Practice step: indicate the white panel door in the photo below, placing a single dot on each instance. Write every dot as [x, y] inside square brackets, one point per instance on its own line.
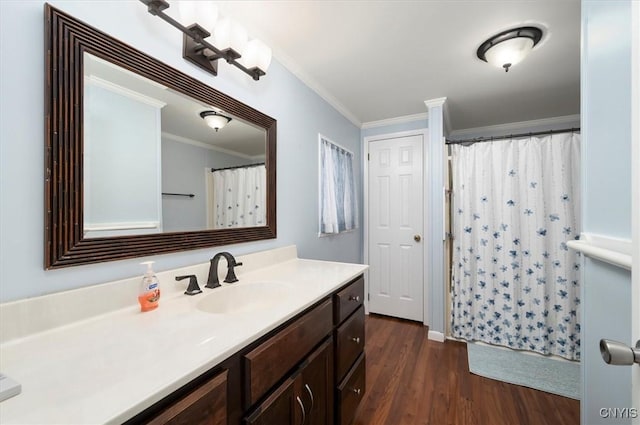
[395, 208]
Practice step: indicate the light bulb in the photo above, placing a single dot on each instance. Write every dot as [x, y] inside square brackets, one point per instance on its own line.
[264, 57]
[509, 52]
[187, 12]
[250, 56]
[204, 13]
[208, 15]
[230, 34]
[256, 55]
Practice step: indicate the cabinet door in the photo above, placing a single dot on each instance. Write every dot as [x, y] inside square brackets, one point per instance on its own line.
[349, 342]
[281, 407]
[315, 386]
[266, 364]
[351, 391]
[207, 405]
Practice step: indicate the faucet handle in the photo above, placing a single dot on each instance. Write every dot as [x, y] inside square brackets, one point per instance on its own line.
[231, 273]
[193, 288]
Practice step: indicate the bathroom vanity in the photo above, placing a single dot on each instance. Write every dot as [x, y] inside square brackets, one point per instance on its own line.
[287, 376]
[291, 354]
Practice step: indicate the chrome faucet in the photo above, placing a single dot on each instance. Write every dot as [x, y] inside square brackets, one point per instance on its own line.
[212, 281]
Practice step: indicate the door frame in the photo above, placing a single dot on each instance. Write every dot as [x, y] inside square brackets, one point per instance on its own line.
[426, 235]
[635, 197]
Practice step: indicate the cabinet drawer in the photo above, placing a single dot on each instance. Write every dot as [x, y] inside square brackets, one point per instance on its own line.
[271, 360]
[206, 405]
[349, 342]
[351, 391]
[348, 300]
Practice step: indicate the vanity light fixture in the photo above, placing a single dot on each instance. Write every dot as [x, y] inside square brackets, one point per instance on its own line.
[214, 119]
[509, 47]
[251, 57]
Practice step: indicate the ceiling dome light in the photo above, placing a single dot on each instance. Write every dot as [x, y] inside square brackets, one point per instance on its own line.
[214, 119]
[509, 47]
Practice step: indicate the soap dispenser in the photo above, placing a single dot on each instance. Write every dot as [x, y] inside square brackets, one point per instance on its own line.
[150, 289]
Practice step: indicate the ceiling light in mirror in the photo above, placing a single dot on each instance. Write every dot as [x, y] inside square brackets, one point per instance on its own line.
[214, 119]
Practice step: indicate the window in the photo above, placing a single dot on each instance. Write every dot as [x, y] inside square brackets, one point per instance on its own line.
[338, 203]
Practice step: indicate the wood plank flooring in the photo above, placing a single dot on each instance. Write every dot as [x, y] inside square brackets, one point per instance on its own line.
[411, 380]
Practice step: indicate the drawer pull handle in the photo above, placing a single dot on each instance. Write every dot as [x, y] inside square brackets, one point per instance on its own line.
[356, 340]
[354, 298]
[304, 414]
[306, 386]
[356, 391]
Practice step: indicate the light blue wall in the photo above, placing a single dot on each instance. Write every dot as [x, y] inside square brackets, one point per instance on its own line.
[116, 188]
[606, 153]
[300, 112]
[183, 171]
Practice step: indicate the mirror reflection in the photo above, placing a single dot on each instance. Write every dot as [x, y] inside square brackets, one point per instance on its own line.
[158, 161]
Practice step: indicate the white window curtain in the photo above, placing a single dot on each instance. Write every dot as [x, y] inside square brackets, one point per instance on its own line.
[236, 197]
[338, 201]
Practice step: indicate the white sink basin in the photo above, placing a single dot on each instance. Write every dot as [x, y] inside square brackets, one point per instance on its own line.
[244, 298]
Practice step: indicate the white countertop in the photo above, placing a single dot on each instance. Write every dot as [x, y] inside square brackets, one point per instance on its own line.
[108, 368]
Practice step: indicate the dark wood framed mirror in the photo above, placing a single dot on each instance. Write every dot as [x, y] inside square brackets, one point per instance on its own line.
[68, 41]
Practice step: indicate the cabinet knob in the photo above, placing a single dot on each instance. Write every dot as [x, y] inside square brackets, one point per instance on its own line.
[355, 298]
[356, 340]
[356, 391]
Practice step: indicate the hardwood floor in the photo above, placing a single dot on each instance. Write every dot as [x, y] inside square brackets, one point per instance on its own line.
[411, 380]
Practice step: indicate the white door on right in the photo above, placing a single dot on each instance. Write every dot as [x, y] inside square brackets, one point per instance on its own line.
[395, 227]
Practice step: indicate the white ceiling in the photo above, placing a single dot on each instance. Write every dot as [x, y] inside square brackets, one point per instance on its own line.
[376, 60]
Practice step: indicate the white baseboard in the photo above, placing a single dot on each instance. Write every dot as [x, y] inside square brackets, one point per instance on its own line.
[436, 336]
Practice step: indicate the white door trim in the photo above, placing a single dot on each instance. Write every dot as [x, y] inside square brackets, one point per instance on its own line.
[635, 198]
[424, 132]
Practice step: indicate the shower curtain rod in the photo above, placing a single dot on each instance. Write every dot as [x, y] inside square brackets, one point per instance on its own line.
[511, 136]
[238, 166]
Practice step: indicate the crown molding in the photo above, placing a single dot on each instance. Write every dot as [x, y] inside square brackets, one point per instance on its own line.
[397, 120]
[291, 66]
[123, 91]
[558, 122]
[188, 141]
[438, 101]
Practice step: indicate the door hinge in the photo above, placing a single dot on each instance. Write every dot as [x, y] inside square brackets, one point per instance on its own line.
[368, 296]
[368, 157]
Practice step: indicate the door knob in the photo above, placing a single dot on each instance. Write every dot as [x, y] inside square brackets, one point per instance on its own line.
[417, 238]
[617, 353]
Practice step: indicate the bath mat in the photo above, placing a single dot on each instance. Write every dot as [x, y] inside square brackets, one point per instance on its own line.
[533, 371]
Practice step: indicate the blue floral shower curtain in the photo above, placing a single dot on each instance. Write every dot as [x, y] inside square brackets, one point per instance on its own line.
[515, 205]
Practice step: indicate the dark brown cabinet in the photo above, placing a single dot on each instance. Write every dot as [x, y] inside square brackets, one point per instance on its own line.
[308, 371]
[350, 361]
[349, 342]
[350, 392]
[278, 408]
[206, 405]
[316, 386]
[270, 361]
[305, 398]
